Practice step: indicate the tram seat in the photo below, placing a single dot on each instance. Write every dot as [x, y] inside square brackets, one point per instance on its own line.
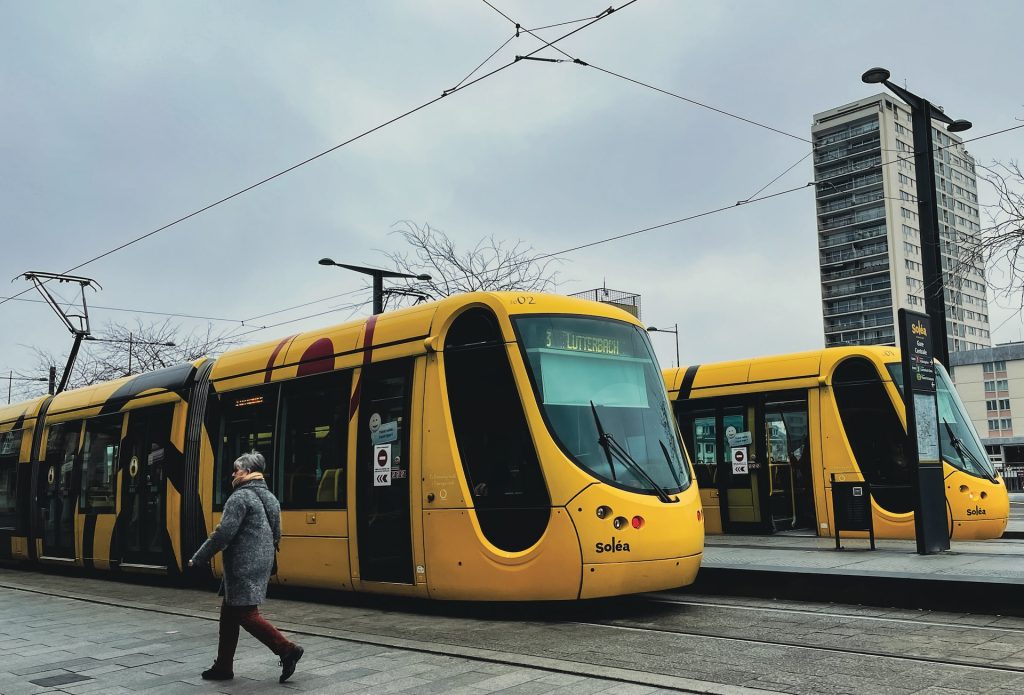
[328, 490]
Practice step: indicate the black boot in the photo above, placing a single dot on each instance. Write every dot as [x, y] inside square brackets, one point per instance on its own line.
[288, 662]
[216, 673]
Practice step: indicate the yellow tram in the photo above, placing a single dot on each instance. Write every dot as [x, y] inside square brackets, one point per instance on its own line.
[766, 435]
[491, 446]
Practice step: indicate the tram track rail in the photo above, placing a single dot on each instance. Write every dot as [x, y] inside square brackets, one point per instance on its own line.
[834, 650]
[659, 640]
[844, 616]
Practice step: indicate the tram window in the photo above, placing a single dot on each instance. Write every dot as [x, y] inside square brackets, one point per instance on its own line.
[874, 432]
[497, 452]
[247, 424]
[314, 417]
[10, 448]
[702, 433]
[99, 463]
[61, 449]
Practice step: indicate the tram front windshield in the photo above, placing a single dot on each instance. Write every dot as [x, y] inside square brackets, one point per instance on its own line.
[600, 374]
[959, 442]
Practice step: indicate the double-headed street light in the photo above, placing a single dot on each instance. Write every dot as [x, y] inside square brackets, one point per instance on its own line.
[674, 329]
[378, 275]
[923, 113]
[131, 345]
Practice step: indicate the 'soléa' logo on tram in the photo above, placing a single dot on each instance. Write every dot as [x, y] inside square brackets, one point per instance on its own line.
[613, 547]
[977, 511]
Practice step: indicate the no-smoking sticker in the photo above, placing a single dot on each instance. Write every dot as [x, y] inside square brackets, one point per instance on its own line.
[739, 460]
[382, 465]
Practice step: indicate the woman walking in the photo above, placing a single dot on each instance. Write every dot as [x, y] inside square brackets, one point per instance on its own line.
[248, 533]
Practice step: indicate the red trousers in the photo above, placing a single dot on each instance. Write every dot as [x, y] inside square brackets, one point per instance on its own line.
[233, 617]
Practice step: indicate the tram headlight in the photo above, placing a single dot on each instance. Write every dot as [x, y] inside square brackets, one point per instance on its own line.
[604, 511]
[620, 522]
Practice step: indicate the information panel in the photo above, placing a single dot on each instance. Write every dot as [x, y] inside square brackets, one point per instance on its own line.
[922, 450]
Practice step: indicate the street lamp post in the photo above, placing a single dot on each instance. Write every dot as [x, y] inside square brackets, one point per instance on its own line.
[378, 275]
[923, 113]
[11, 379]
[674, 330]
[131, 345]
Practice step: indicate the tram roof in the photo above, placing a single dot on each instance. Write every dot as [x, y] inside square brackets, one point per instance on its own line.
[794, 370]
[417, 328]
[10, 414]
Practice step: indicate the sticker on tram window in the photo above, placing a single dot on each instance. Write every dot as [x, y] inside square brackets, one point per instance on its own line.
[385, 432]
[382, 465]
[739, 460]
[374, 422]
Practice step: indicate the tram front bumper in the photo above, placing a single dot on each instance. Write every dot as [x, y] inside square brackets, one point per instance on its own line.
[617, 578]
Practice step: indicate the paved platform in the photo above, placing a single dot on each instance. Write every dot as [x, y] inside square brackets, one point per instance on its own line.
[988, 573]
[79, 635]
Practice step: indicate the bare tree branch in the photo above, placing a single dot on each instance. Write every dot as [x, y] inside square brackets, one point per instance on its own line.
[141, 344]
[490, 265]
[999, 246]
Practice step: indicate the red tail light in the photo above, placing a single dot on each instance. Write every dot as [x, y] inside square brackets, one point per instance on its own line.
[700, 515]
[638, 522]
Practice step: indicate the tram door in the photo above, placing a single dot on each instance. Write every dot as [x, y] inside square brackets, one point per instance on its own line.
[142, 522]
[787, 454]
[57, 484]
[383, 517]
[727, 464]
[741, 470]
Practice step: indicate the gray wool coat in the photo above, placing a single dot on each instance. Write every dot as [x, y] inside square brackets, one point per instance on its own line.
[248, 533]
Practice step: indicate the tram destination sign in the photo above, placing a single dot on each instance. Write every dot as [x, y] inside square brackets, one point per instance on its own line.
[579, 342]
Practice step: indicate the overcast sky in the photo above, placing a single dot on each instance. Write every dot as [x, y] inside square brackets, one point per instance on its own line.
[120, 117]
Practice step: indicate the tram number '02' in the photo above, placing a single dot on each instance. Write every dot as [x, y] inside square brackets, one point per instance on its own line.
[613, 547]
[523, 299]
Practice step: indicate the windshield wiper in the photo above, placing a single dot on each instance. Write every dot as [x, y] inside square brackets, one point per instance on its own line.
[964, 452]
[668, 460]
[601, 440]
[613, 448]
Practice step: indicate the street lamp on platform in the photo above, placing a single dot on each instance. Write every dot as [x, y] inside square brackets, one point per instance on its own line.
[674, 330]
[922, 114]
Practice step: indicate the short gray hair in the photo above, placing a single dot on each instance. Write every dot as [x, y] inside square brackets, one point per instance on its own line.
[252, 462]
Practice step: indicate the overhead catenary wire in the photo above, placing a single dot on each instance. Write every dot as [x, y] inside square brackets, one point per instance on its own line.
[138, 311]
[445, 93]
[786, 171]
[550, 44]
[751, 199]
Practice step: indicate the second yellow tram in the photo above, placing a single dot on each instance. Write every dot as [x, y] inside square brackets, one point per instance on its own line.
[793, 421]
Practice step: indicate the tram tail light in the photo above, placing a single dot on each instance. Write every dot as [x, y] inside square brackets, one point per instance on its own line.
[700, 516]
[638, 522]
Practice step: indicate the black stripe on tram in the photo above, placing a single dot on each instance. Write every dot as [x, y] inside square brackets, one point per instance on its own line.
[687, 385]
